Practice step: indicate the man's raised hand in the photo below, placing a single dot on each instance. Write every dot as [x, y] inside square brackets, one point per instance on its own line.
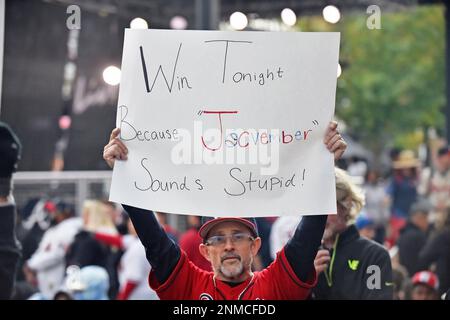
[115, 149]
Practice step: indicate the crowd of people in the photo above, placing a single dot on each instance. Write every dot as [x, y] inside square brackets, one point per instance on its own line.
[390, 239]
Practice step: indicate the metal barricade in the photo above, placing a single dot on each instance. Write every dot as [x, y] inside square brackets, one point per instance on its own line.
[71, 186]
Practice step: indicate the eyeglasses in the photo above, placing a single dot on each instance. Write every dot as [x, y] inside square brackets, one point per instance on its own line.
[236, 238]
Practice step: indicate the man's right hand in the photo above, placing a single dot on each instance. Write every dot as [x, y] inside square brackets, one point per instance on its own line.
[115, 149]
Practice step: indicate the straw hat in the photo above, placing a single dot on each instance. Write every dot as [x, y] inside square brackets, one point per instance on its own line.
[405, 160]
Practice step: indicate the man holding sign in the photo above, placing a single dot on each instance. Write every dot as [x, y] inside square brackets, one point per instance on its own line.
[230, 244]
[230, 125]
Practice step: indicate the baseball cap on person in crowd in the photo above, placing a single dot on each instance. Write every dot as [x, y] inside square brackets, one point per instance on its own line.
[209, 222]
[406, 160]
[64, 207]
[363, 221]
[420, 206]
[443, 151]
[87, 283]
[426, 278]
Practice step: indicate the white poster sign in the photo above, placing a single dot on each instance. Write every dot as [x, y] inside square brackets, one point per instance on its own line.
[227, 123]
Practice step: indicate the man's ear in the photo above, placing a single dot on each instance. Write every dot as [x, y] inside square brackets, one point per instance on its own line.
[256, 245]
[204, 251]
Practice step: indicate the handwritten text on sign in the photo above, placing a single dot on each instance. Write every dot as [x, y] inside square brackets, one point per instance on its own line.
[227, 123]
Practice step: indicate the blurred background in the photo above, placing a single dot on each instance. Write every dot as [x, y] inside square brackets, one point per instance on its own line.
[60, 84]
[61, 75]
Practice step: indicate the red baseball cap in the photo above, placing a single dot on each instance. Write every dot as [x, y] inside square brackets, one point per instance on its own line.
[208, 223]
[427, 278]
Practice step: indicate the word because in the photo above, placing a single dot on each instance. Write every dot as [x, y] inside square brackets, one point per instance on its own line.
[128, 132]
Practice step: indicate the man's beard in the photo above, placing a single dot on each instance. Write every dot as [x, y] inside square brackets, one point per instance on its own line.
[232, 271]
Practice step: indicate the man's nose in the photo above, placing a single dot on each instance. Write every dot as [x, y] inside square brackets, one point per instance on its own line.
[229, 244]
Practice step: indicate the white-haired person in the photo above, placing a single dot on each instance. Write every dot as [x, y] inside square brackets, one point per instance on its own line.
[355, 267]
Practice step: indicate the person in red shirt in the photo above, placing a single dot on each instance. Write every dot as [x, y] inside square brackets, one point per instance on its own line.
[230, 245]
[171, 232]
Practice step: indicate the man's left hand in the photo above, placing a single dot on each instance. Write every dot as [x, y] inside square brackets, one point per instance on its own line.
[334, 141]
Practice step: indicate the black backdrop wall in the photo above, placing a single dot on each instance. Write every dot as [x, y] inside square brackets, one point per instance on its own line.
[35, 53]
